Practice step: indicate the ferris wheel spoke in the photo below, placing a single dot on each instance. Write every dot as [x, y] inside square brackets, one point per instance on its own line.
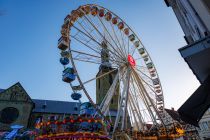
[89, 32]
[128, 45]
[95, 56]
[142, 73]
[99, 76]
[145, 80]
[154, 107]
[83, 43]
[136, 48]
[136, 112]
[103, 36]
[123, 42]
[145, 77]
[83, 53]
[150, 86]
[134, 96]
[145, 98]
[142, 68]
[137, 102]
[133, 50]
[88, 41]
[138, 58]
[90, 27]
[106, 31]
[83, 60]
[151, 101]
[88, 46]
[115, 35]
[99, 44]
[110, 36]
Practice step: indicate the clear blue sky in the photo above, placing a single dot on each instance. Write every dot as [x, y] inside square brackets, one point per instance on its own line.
[28, 45]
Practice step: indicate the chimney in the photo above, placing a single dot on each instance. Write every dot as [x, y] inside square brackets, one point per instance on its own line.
[44, 105]
[172, 108]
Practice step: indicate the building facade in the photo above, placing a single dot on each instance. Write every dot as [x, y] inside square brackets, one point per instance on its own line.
[172, 121]
[17, 108]
[194, 18]
[204, 125]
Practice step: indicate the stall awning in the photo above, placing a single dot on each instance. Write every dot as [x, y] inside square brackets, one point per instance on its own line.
[194, 108]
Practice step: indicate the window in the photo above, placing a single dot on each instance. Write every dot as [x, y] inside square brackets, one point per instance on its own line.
[205, 125]
[75, 108]
[8, 115]
[201, 126]
[209, 125]
[207, 4]
[99, 83]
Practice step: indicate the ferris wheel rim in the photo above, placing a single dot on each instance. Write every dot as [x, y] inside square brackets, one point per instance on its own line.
[75, 68]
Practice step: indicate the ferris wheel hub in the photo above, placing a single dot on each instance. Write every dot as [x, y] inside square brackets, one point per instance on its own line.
[131, 61]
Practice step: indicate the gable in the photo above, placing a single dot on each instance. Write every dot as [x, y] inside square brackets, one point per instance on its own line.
[15, 93]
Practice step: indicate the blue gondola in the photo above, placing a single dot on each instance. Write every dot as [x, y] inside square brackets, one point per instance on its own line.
[64, 60]
[68, 75]
[87, 109]
[76, 96]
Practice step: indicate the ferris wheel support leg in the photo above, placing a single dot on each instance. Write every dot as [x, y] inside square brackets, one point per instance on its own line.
[117, 118]
[126, 99]
[133, 114]
[120, 107]
[130, 114]
[110, 94]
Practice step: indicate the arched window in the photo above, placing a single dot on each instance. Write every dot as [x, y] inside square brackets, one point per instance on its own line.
[8, 115]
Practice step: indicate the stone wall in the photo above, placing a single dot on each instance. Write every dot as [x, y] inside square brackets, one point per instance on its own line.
[15, 107]
[23, 109]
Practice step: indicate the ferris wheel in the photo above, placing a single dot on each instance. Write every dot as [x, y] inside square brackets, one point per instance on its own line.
[103, 56]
